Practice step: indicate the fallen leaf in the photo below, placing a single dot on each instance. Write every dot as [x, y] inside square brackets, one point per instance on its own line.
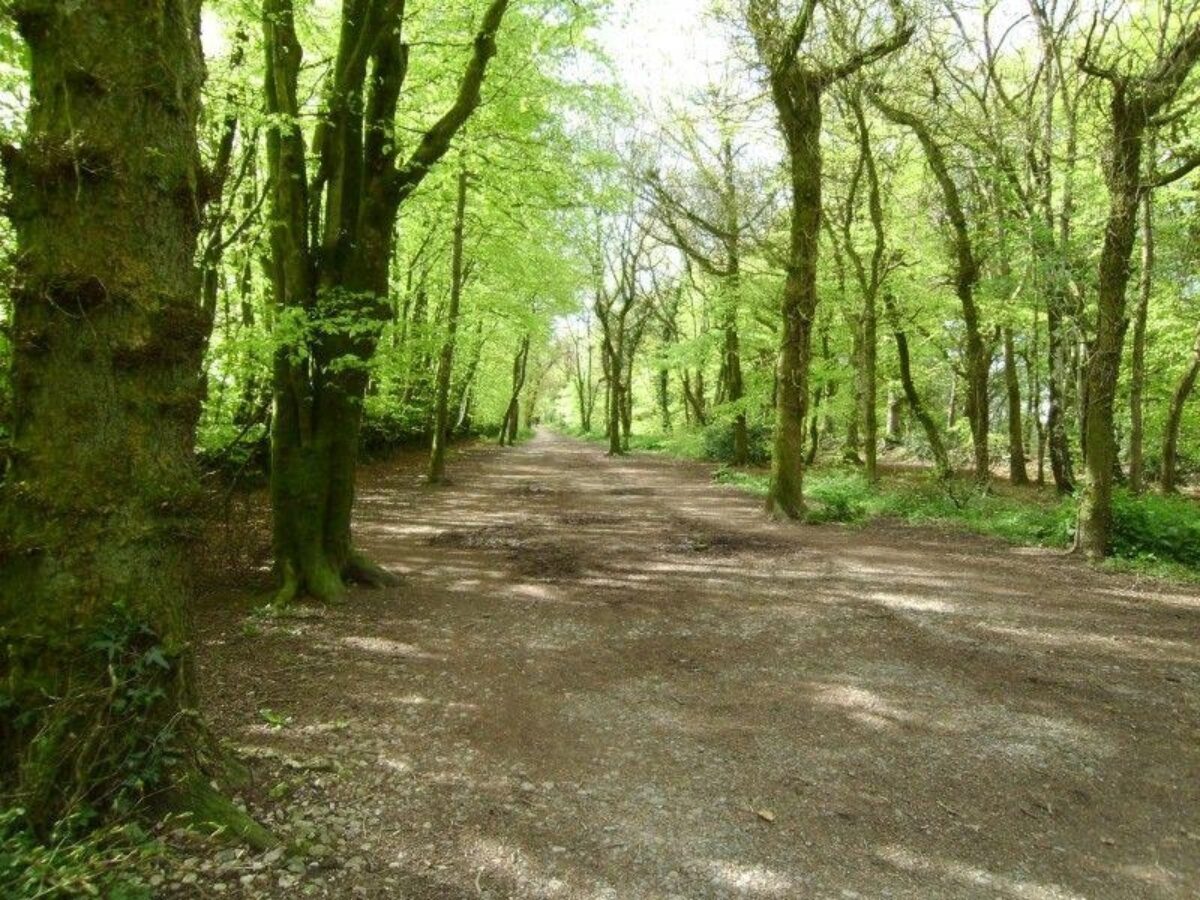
[766, 815]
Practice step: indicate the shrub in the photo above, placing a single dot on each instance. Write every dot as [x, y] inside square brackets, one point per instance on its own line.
[1156, 527]
[843, 496]
[718, 443]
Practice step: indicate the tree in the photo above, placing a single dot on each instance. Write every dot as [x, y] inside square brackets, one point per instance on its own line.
[966, 279]
[707, 217]
[108, 331]
[331, 255]
[1136, 98]
[619, 267]
[797, 85]
[441, 415]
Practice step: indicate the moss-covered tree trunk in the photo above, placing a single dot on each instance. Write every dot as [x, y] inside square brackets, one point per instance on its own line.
[798, 101]
[108, 331]
[331, 238]
[1135, 101]
[941, 459]
[1137, 370]
[1016, 436]
[966, 278]
[796, 90]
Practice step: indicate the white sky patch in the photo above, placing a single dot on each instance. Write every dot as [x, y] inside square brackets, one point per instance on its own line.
[664, 50]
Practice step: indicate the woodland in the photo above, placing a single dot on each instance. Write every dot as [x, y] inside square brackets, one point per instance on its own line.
[357, 350]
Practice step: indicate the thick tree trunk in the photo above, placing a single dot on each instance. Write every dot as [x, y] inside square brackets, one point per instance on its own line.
[1016, 436]
[798, 101]
[331, 247]
[107, 335]
[1136, 100]
[441, 415]
[1137, 374]
[1183, 390]
[1104, 360]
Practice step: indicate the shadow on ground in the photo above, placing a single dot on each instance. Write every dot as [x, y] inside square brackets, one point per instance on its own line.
[614, 679]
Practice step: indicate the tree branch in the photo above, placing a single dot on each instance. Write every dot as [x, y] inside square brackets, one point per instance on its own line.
[436, 141]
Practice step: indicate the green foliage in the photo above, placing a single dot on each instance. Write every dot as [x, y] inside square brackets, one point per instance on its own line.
[94, 754]
[718, 442]
[1148, 529]
[1156, 528]
[841, 495]
[101, 863]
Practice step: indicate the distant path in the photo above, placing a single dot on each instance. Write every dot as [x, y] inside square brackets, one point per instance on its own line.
[612, 678]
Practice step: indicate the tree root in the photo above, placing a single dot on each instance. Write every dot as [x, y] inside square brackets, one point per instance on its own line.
[361, 570]
[209, 811]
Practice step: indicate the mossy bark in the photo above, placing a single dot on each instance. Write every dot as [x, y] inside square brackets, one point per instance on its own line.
[108, 331]
[1135, 101]
[798, 102]
[331, 240]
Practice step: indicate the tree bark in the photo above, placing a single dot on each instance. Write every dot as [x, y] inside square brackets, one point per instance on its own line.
[1016, 437]
[441, 415]
[966, 277]
[510, 426]
[331, 246]
[107, 335]
[937, 446]
[796, 90]
[1135, 101]
[1183, 390]
[1137, 374]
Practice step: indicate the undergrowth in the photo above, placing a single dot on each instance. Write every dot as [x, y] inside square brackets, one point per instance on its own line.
[1151, 533]
[97, 863]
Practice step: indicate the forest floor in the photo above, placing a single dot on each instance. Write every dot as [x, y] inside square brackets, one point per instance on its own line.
[613, 678]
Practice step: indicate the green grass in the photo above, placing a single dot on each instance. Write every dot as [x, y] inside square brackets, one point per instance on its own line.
[1152, 535]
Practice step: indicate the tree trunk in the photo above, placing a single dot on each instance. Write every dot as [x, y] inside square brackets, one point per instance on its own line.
[441, 415]
[966, 277]
[937, 446]
[510, 426]
[1016, 435]
[1170, 451]
[1137, 375]
[798, 101]
[895, 419]
[1135, 102]
[107, 335]
[331, 245]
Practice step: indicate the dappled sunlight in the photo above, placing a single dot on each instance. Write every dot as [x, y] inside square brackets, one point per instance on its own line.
[386, 647]
[1122, 645]
[863, 706]
[749, 879]
[911, 602]
[966, 875]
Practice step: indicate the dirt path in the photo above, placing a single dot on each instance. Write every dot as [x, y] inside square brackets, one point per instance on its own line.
[614, 679]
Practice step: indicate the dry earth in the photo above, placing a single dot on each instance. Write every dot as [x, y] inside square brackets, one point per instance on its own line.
[615, 679]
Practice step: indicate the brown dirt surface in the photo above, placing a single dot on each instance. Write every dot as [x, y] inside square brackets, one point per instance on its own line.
[613, 678]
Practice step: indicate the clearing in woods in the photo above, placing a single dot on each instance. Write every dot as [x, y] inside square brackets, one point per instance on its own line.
[612, 678]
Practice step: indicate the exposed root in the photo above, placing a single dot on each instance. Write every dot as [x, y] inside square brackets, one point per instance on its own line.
[361, 570]
[209, 811]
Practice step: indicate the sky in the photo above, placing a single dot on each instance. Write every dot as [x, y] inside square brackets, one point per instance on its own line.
[663, 48]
